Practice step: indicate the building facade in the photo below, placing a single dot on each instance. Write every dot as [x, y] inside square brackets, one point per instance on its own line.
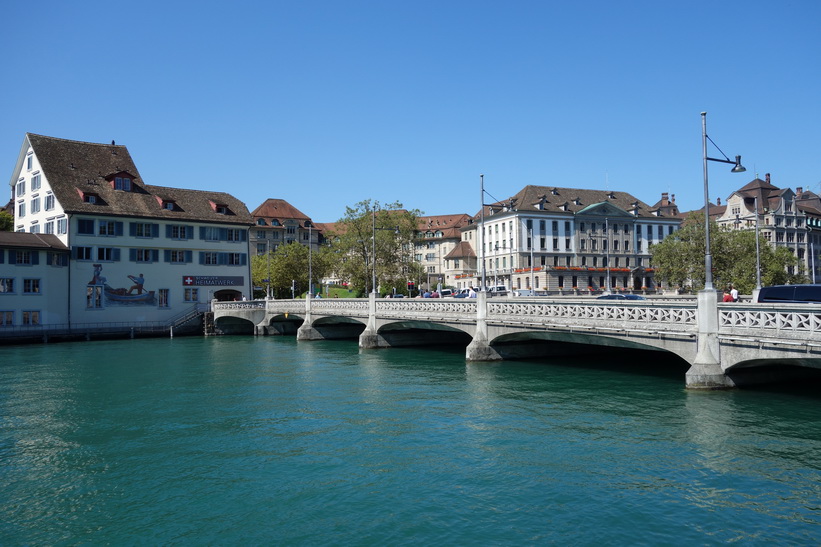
[559, 240]
[33, 280]
[277, 222]
[436, 239]
[138, 252]
[785, 218]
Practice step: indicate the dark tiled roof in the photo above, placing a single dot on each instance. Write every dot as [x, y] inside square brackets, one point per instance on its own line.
[554, 199]
[31, 241]
[462, 250]
[74, 169]
[449, 225]
[280, 210]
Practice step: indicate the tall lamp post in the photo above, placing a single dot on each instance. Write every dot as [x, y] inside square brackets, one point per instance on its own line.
[737, 168]
[482, 222]
[310, 271]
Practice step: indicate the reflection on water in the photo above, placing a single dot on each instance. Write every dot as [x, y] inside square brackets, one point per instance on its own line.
[266, 440]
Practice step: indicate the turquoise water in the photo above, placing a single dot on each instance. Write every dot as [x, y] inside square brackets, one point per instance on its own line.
[242, 440]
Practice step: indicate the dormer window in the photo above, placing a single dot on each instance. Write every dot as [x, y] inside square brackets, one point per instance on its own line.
[611, 195]
[122, 183]
[220, 208]
[554, 191]
[90, 198]
[260, 222]
[168, 205]
[275, 222]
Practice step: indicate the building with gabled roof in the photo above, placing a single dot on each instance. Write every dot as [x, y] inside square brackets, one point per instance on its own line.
[555, 239]
[139, 252]
[436, 238]
[786, 218]
[277, 222]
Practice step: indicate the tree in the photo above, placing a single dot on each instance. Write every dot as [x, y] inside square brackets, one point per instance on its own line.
[6, 222]
[287, 267]
[679, 259]
[369, 227]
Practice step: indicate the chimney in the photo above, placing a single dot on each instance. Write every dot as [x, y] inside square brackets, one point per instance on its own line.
[718, 202]
[665, 198]
[673, 198]
[799, 190]
[767, 178]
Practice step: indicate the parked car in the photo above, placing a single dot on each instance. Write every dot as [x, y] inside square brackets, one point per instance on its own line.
[799, 294]
[524, 292]
[446, 293]
[620, 297]
[497, 290]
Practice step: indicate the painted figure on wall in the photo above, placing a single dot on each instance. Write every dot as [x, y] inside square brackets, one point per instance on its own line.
[135, 295]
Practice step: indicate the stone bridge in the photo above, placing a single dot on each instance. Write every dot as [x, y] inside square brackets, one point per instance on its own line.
[725, 345]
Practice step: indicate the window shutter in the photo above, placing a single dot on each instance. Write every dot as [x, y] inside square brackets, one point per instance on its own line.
[202, 257]
[155, 255]
[188, 256]
[35, 257]
[116, 254]
[166, 254]
[243, 259]
[189, 232]
[132, 229]
[2, 256]
[155, 230]
[222, 258]
[243, 235]
[12, 257]
[132, 255]
[168, 231]
[202, 232]
[223, 234]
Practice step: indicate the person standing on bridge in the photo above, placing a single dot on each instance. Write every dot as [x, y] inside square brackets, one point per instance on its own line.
[734, 293]
[727, 296]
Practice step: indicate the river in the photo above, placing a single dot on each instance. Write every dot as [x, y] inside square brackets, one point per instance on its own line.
[263, 440]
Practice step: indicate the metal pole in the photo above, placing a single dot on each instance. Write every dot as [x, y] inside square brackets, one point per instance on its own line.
[482, 222]
[758, 251]
[373, 251]
[530, 235]
[708, 259]
[310, 270]
[607, 253]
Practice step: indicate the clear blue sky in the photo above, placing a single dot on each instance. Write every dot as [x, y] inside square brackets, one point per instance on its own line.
[326, 103]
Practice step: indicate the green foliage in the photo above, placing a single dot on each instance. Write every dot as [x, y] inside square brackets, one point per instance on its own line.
[355, 242]
[679, 259]
[6, 222]
[286, 266]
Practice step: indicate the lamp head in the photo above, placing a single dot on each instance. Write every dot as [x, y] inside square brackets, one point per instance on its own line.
[738, 168]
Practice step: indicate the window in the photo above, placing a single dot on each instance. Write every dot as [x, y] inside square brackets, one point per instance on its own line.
[175, 231]
[109, 228]
[94, 296]
[234, 234]
[82, 253]
[108, 254]
[29, 162]
[49, 202]
[210, 233]
[6, 285]
[90, 198]
[260, 234]
[50, 227]
[24, 257]
[31, 318]
[144, 255]
[62, 225]
[35, 229]
[6, 318]
[162, 301]
[21, 188]
[235, 259]
[178, 257]
[192, 295]
[144, 229]
[85, 226]
[35, 182]
[35, 205]
[122, 183]
[31, 286]
[21, 210]
[208, 258]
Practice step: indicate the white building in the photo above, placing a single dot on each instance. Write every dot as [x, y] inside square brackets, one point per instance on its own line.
[33, 281]
[138, 252]
[568, 239]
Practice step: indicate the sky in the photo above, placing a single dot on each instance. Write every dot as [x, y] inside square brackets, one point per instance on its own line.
[328, 103]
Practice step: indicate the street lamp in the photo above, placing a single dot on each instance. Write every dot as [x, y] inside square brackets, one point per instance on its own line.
[737, 168]
[310, 271]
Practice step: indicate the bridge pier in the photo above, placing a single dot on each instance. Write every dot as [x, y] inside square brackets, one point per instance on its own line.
[706, 371]
[370, 339]
[479, 349]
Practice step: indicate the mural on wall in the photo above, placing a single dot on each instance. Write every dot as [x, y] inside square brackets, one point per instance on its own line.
[136, 294]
